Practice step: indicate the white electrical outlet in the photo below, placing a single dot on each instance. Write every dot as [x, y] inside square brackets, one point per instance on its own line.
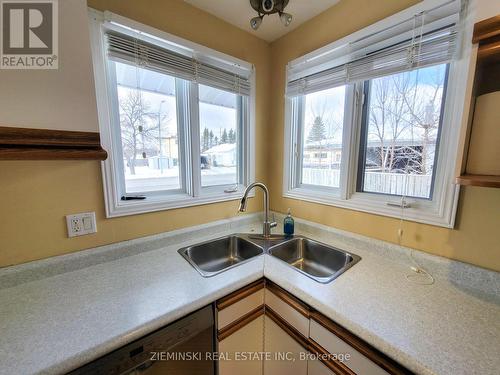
[80, 224]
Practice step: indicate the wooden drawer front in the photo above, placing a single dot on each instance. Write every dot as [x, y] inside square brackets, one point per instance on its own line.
[240, 308]
[287, 312]
[334, 345]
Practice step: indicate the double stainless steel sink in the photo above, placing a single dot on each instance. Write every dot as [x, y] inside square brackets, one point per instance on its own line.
[316, 260]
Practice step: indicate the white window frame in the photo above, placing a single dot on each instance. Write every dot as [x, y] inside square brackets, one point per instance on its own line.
[193, 193]
[441, 209]
[294, 137]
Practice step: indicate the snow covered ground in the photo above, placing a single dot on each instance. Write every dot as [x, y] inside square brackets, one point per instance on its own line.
[148, 179]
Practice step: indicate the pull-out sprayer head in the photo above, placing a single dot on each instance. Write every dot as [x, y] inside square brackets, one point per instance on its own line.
[243, 204]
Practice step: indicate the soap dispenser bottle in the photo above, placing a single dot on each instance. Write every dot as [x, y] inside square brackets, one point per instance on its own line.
[288, 224]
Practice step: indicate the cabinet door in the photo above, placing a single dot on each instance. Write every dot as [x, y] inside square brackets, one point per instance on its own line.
[357, 362]
[287, 307]
[248, 339]
[285, 352]
[235, 311]
[316, 367]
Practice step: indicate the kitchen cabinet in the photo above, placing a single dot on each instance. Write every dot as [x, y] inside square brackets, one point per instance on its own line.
[316, 367]
[357, 362]
[240, 331]
[285, 351]
[248, 339]
[296, 339]
[481, 163]
[290, 309]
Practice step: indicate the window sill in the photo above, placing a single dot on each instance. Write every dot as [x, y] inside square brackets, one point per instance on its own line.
[135, 207]
[423, 211]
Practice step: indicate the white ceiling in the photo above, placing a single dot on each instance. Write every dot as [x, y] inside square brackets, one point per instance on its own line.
[239, 13]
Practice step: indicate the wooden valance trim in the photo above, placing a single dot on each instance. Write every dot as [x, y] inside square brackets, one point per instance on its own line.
[46, 144]
[486, 29]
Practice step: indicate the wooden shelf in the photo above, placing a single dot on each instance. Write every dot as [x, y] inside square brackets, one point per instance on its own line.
[489, 52]
[44, 144]
[478, 180]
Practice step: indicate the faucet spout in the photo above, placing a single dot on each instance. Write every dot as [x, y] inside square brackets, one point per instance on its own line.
[267, 225]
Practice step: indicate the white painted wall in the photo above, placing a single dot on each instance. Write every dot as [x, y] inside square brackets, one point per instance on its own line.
[486, 9]
[61, 99]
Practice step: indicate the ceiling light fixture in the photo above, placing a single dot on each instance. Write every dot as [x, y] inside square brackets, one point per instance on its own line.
[267, 7]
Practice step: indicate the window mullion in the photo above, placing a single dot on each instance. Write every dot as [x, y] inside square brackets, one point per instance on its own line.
[181, 92]
[298, 142]
[350, 145]
[242, 146]
[289, 144]
[116, 149]
[194, 139]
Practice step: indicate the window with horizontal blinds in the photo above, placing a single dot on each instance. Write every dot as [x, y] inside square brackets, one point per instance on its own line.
[122, 47]
[427, 38]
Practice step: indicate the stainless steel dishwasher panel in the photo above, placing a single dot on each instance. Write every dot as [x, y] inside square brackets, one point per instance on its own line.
[181, 348]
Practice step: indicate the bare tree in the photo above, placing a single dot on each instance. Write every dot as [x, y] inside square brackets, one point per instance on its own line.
[424, 114]
[402, 107]
[139, 127]
[387, 118]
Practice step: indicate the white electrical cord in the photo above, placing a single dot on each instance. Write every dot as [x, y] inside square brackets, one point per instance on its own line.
[418, 275]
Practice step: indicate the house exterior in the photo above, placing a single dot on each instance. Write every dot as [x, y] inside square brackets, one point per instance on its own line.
[223, 155]
[323, 154]
[327, 154]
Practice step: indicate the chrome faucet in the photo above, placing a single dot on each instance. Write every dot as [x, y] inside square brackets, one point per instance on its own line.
[266, 228]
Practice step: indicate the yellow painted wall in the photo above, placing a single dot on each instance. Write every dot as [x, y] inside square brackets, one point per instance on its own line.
[36, 195]
[475, 238]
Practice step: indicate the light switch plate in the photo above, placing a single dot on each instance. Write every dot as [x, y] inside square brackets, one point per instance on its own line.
[81, 224]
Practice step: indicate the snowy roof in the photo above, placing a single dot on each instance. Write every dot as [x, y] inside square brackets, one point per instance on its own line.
[222, 148]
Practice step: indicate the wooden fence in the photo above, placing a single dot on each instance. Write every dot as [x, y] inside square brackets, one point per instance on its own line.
[377, 182]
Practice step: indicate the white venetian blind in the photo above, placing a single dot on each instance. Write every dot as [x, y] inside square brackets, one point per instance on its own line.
[124, 47]
[426, 38]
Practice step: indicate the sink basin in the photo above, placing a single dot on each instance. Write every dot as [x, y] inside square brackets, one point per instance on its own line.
[320, 262]
[212, 257]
